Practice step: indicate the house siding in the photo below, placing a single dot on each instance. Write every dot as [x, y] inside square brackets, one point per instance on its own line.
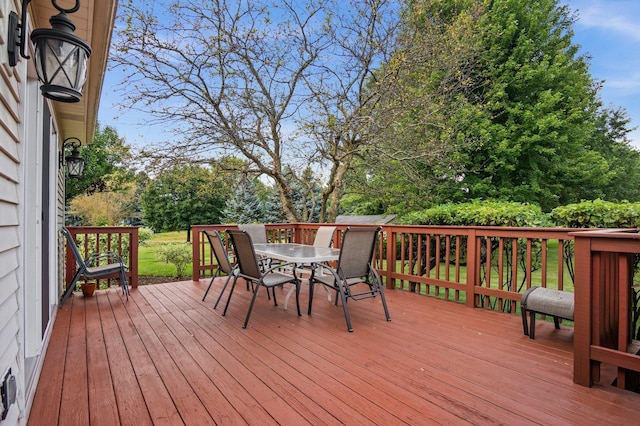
[10, 151]
[16, 97]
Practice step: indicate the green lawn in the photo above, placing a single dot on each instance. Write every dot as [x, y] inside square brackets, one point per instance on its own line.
[150, 264]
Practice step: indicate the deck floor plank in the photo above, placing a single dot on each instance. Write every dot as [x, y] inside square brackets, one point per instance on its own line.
[279, 369]
[158, 401]
[152, 332]
[46, 403]
[103, 408]
[130, 400]
[74, 403]
[342, 363]
[189, 352]
[437, 362]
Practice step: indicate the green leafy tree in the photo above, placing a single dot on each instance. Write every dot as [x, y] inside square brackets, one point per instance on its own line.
[493, 100]
[541, 102]
[106, 160]
[610, 139]
[434, 98]
[182, 196]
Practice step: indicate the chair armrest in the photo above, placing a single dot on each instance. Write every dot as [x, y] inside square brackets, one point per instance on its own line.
[109, 256]
[279, 266]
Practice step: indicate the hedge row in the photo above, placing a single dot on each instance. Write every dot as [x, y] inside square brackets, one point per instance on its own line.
[587, 214]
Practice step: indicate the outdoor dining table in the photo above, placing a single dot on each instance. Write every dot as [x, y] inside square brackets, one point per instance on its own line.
[299, 254]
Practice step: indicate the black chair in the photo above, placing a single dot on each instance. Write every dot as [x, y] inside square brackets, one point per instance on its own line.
[354, 268]
[224, 264]
[90, 268]
[249, 269]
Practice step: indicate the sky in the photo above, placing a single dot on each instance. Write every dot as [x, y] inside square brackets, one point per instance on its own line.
[609, 31]
[606, 30]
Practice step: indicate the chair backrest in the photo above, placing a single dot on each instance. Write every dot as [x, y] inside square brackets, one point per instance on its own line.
[219, 251]
[257, 231]
[245, 254]
[324, 236]
[74, 248]
[356, 251]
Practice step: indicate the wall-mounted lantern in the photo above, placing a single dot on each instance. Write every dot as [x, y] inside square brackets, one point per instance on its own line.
[74, 163]
[61, 56]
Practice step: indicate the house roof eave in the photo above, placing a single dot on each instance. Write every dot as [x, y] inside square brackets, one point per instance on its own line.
[94, 23]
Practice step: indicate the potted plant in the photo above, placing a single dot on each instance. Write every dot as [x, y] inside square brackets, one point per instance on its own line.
[88, 288]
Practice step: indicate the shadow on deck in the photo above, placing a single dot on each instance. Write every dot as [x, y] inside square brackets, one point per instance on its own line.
[167, 357]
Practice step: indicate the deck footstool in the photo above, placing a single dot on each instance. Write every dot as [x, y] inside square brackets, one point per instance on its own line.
[540, 300]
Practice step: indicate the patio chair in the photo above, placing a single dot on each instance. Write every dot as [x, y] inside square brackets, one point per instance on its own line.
[323, 238]
[258, 232]
[90, 268]
[224, 264]
[353, 269]
[249, 269]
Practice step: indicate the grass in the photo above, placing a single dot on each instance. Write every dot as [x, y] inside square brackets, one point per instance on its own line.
[150, 264]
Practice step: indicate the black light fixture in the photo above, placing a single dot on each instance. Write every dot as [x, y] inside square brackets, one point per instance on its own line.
[74, 163]
[61, 56]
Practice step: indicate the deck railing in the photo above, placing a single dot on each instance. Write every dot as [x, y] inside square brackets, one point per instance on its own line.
[95, 239]
[606, 306]
[487, 267]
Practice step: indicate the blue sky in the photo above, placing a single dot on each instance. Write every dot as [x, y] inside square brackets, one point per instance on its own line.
[607, 30]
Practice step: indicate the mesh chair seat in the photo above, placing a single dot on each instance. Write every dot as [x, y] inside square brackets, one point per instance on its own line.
[99, 271]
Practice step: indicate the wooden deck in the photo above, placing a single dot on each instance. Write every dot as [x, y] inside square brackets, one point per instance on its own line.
[166, 357]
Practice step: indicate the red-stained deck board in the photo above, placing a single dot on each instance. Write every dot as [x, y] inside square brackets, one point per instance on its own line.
[166, 357]
[103, 409]
[74, 403]
[158, 402]
[129, 399]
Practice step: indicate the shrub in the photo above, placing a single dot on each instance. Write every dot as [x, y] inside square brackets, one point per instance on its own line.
[480, 213]
[144, 235]
[597, 214]
[178, 254]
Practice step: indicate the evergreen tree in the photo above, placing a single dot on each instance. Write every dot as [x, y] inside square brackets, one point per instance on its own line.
[305, 193]
[273, 212]
[244, 205]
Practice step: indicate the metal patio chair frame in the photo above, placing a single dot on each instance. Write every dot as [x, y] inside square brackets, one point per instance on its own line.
[90, 268]
[354, 267]
[224, 264]
[250, 269]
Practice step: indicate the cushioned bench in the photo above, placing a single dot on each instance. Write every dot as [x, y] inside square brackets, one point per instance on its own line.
[540, 300]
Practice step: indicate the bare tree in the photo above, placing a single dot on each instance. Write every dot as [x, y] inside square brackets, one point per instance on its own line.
[347, 90]
[257, 79]
[225, 75]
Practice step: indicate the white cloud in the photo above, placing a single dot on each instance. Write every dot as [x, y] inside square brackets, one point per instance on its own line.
[615, 16]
